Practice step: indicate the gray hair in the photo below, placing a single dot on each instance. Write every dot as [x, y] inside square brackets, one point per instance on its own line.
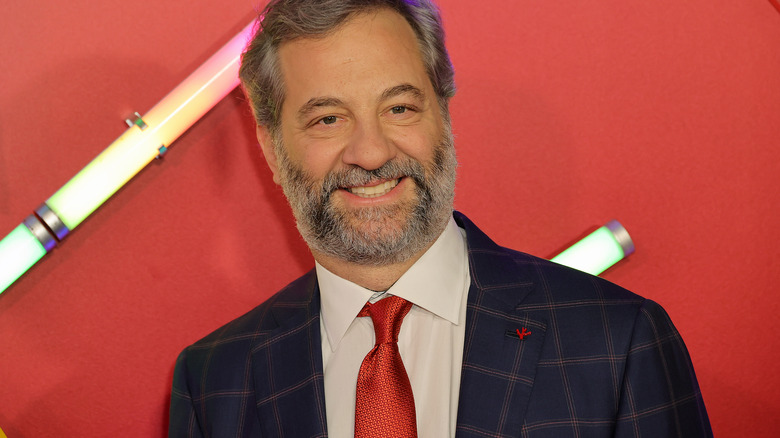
[286, 20]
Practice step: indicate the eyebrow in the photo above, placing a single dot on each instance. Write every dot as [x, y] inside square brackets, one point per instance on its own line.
[325, 101]
[317, 102]
[403, 89]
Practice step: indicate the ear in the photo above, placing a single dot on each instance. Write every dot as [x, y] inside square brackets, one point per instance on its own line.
[267, 145]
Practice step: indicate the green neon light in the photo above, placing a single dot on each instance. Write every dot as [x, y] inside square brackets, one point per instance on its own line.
[596, 252]
[102, 177]
[19, 250]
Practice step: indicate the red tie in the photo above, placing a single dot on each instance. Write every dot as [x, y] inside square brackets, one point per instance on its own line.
[385, 405]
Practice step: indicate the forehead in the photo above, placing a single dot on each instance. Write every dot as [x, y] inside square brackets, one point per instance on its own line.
[367, 54]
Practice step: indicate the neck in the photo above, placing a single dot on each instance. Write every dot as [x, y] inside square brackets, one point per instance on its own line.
[376, 278]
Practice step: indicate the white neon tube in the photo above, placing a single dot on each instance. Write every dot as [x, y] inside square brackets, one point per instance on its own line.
[599, 250]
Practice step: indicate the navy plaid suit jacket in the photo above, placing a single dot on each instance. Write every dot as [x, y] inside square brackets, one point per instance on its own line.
[599, 361]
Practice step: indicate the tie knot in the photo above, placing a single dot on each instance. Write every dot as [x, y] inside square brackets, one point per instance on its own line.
[387, 315]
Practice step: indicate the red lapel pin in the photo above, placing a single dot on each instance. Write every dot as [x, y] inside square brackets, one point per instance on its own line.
[522, 334]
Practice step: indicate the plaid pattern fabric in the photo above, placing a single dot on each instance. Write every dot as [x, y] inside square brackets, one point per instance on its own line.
[258, 376]
[599, 361]
[549, 352]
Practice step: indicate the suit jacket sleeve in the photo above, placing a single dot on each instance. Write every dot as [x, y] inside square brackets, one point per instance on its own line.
[659, 395]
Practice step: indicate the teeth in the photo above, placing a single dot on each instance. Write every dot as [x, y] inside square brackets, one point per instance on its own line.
[374, 191]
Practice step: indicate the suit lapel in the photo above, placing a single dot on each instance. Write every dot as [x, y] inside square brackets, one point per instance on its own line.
[502, 345]
[287, 366]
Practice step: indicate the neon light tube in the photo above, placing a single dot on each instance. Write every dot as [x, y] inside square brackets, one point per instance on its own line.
[18, 252]
[147, 138]
[599, 250]
[151, 135]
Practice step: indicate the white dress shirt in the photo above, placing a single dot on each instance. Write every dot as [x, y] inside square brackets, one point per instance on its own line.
[430, 341]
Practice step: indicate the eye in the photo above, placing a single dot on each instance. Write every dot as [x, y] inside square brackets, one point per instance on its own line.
[400, 109]
[329, 120]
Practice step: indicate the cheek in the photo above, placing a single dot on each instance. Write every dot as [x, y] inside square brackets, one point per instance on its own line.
[420, 143]
[318, 158]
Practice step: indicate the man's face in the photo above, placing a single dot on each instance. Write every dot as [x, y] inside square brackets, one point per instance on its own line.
[362, 152]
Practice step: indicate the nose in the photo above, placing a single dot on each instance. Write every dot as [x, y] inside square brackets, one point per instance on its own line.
[369, 147]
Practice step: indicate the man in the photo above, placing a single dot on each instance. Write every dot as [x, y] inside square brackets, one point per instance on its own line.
[351, 101]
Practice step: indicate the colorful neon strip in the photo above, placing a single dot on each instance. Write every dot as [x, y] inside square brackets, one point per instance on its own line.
[147, 138]
[138, 146]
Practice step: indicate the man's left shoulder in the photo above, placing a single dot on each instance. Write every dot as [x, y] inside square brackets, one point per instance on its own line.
[563, 283]
[494, 266]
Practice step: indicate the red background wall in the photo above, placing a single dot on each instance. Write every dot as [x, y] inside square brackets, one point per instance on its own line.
[662, 114]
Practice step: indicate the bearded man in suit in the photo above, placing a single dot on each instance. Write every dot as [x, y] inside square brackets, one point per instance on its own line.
[351, 102]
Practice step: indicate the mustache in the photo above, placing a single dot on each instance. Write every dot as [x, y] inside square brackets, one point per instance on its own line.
[357, 176]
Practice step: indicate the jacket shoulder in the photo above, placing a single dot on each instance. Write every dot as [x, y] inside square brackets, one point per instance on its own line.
[567, 283]
[266, 317]
[495, 267]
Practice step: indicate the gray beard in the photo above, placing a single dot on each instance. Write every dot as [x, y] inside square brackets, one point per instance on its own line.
[380, 235]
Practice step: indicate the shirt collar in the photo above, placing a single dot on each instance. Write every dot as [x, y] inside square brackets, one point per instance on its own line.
[436, 282]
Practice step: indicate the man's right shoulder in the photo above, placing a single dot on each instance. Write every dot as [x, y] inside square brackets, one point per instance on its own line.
[216, 379]
[294, 299]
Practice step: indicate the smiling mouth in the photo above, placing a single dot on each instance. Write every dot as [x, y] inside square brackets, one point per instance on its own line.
[374, 191]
